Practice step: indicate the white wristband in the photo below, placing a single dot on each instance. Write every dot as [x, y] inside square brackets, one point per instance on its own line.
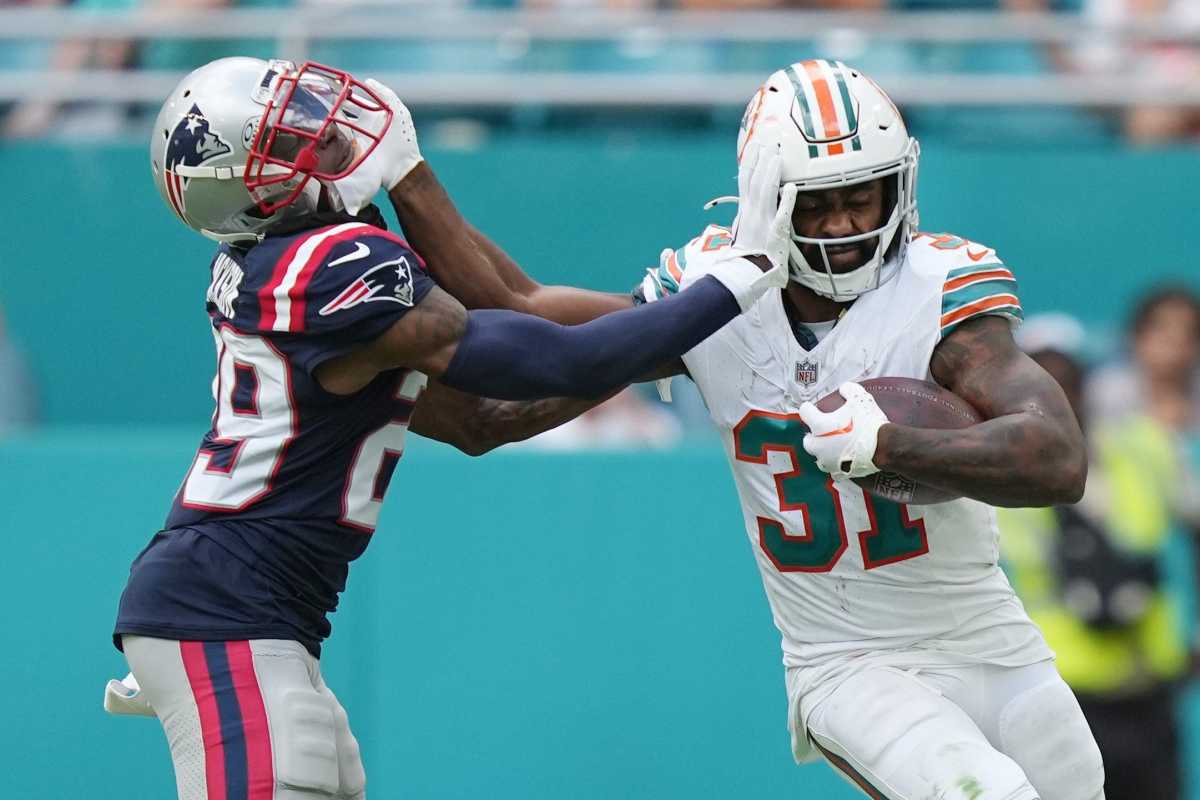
[746, 281]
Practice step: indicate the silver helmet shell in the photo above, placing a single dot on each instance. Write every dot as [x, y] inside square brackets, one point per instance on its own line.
[838, 128]
[200, 144]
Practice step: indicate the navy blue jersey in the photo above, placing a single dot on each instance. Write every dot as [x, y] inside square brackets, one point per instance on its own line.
[286, 487]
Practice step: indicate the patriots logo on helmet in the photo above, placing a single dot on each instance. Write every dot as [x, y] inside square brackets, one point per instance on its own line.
[191, 144]
[390, 282]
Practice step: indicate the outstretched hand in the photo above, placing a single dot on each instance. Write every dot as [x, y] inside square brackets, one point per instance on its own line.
[393, 158]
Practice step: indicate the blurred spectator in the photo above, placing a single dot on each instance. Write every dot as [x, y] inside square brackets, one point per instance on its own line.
[1162, 377]
[36, 118]
[1166, 63]
[626, 421]
[1091, 576]
[574, 4]
[826, 5]
[17, 398]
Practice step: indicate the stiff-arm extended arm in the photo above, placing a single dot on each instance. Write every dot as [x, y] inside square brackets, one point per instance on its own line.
[474, 269]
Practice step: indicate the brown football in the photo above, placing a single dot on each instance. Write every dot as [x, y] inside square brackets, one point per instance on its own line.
[917, 404]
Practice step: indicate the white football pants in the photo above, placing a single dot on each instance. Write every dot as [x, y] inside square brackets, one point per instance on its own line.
[970, 732]
[248, 720]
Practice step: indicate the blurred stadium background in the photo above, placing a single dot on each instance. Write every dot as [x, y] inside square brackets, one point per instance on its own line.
[581, 618]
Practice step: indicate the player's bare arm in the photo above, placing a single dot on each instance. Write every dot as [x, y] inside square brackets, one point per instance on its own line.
[473, 268]
[480, 274]
[476, 425]
[460, 258]
[1029, 451]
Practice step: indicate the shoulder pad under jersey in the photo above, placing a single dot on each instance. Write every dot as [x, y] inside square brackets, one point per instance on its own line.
[974, 281]
[708, 245]
[336, 277]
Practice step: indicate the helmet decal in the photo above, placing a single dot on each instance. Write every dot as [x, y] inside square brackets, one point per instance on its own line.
[824, 111]
[191, 144]
[750, 120]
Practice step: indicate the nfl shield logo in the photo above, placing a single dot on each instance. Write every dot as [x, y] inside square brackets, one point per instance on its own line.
[806, 372]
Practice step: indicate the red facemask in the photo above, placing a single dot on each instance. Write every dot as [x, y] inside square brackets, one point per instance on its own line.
[319, 122]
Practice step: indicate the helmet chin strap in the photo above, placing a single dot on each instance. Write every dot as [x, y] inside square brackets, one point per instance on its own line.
[826, 283]
[332, 197]
[231, 238]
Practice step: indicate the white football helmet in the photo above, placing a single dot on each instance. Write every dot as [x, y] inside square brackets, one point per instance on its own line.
[231, 177]
[838, 128]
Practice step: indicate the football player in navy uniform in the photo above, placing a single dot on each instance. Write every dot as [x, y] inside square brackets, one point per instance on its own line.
[328, 331]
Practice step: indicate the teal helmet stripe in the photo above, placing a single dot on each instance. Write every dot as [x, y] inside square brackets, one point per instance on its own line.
[805, 111]
[838, 70]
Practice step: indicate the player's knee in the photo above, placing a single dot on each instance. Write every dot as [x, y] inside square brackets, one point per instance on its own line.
[1045, 730]
[968, 770]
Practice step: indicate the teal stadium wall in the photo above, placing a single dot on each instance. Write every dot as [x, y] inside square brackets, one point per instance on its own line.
[525, 625]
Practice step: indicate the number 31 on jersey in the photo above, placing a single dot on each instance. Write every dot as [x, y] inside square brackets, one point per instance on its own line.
[891, 535]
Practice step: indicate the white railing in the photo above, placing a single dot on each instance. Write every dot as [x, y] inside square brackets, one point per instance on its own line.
[295, 30]
[439, 90]
[409, 20]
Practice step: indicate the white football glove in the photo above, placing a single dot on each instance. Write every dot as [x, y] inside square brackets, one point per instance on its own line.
[763, 226]
[394, 157]
[843, 441]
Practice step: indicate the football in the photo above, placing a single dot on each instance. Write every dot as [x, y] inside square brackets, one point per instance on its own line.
[917, 404]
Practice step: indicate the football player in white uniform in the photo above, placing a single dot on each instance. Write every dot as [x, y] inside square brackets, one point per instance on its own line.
[911, 666]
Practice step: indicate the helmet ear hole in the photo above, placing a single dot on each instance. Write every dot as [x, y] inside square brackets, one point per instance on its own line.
[255, 212]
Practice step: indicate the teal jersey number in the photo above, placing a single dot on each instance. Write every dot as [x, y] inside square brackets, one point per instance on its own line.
[891, 536]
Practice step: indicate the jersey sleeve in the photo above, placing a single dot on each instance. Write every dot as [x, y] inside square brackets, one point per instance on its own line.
[977, 290]
[687, 265]
[339, 288]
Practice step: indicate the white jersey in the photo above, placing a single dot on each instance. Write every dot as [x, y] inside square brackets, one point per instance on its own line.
[847, 574]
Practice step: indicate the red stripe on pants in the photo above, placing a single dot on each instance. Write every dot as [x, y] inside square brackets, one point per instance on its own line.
[210, 721]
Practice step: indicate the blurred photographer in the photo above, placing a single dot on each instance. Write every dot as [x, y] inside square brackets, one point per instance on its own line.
[1090, 576]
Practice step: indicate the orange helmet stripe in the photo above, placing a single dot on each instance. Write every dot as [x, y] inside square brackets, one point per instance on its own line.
[824, 96]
